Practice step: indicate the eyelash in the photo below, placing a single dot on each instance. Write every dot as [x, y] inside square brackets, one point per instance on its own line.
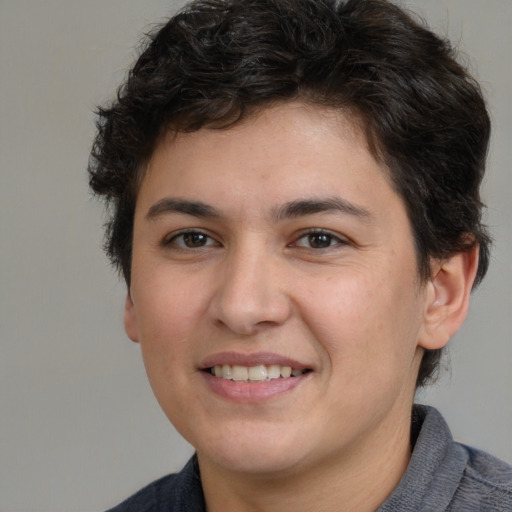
[172, 240]
[331, 239]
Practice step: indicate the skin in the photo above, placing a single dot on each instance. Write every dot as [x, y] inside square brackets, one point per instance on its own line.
[258, 277]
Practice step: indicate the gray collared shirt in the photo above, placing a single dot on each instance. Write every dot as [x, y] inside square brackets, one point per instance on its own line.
[442, 476]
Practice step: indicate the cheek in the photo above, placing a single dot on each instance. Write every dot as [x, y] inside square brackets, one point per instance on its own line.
[168, 303]
[167, 327]
[169, 316]
[365, 323]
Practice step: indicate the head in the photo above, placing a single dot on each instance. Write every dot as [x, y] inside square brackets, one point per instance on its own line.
[217, 64]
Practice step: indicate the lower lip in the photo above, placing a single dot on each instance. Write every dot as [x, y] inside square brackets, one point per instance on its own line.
[251, 392]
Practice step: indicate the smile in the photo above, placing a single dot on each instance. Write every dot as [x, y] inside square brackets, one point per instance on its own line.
[259, 373]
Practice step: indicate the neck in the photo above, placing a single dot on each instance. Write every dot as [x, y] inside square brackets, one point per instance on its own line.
[357, 480]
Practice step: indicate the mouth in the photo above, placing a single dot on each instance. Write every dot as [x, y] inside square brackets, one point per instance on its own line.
[258, 373]
[253, 378]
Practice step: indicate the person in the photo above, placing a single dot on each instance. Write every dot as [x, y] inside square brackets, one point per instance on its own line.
[293, 188]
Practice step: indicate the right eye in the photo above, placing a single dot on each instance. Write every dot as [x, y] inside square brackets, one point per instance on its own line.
[320, 239]
[191, 240]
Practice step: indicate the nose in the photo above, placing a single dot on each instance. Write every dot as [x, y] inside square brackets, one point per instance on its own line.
[250, 295]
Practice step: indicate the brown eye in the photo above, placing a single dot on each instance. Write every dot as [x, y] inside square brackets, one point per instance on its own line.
[319, 240]
[192, 240]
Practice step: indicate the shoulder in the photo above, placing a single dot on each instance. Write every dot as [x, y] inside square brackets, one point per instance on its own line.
[180, 492]
[486, 483]
[147, 499]
[447, 476]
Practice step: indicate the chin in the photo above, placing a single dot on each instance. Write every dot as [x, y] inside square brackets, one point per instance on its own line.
[254, 462]
[258, 453]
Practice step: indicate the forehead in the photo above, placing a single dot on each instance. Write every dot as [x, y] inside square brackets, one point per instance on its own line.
[292, 149]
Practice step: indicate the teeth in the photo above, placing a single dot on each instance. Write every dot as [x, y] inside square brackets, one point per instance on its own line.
[257, 373]
[260, 373]
[274, 371]
[226, 372]
[286, 371]
[239, 372]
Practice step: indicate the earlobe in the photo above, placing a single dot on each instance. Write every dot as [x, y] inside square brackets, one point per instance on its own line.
[130, 319]
[448, 298]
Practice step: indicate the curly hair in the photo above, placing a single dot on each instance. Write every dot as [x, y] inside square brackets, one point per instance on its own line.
[217, 62]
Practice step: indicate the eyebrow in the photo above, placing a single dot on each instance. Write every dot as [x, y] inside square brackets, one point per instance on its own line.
[292, 209]
[182, 206]
[304, 207]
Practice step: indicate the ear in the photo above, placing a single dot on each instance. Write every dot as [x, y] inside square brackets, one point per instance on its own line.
[448, 298]
[130, 319]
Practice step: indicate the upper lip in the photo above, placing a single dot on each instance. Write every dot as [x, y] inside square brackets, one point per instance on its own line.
[253, 359]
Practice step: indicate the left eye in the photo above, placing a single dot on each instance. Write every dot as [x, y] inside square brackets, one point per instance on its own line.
[192, 240]
[318, 240]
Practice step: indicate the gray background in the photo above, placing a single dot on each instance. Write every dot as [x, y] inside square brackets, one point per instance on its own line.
[79, 427]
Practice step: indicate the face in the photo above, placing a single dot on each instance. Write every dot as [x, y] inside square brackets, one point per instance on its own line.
[272, 247]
